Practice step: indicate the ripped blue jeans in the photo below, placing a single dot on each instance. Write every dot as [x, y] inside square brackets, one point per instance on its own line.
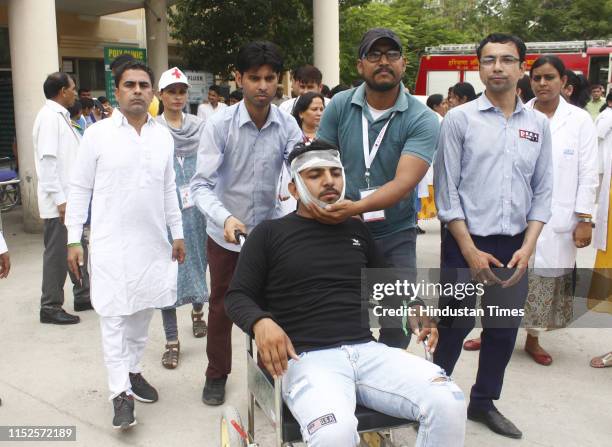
[322, 388]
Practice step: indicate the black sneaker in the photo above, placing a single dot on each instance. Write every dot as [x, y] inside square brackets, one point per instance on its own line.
[214, 391]
[124, 412]
[142, 390]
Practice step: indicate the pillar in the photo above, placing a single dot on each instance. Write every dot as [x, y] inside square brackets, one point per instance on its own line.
[34, 55]
[156, 21]
[326, 24]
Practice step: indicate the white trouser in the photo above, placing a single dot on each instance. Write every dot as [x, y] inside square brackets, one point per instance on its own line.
[536, 331]
[123, 342]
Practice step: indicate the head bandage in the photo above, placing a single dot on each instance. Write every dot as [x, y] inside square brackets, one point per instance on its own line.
[315, 159]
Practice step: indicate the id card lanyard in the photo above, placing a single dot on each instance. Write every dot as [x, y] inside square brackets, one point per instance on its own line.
[370, 155]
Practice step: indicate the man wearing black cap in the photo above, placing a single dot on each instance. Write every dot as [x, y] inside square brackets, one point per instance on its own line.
[384, 168]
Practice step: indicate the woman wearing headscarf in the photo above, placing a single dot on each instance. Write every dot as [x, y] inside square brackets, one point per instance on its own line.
[186, 130]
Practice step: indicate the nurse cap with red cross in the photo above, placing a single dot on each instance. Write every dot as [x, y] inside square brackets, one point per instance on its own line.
[172, 76]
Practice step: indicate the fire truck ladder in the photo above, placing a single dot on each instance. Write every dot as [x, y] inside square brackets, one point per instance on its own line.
[532, 47]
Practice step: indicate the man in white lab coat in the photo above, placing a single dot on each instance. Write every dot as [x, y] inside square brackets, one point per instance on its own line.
[126, 162]
[56, 144]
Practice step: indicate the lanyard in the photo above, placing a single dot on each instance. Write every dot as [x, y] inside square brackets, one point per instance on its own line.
[369, 155]
[181, 162]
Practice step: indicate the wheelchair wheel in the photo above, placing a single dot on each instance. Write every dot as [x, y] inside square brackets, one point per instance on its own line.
[233, 433]
[9, 196]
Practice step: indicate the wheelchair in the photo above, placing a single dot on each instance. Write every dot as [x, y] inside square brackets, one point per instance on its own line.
[9, 186]
[373, 426]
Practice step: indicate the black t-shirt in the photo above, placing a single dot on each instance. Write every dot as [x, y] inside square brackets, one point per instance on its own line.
[307, 277]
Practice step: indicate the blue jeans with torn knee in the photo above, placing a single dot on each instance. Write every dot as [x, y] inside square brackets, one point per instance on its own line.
[322, 388]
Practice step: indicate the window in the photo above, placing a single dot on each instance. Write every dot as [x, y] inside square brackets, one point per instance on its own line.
[440, 81]
[90, 73]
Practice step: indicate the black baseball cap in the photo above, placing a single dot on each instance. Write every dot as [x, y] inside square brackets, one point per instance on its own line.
[373, 35]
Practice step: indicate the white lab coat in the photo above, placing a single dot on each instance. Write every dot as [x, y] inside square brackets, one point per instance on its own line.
[132, 180]
[604, 133]
[575, 179]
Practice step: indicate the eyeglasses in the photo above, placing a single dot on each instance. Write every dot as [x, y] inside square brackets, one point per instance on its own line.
[375, 56]
[488, 61]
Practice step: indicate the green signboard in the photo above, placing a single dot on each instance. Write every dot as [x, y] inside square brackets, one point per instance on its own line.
[110, 53]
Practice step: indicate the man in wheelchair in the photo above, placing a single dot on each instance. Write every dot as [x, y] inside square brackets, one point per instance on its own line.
[296, 289]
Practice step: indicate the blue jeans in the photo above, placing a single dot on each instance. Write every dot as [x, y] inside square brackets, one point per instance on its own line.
[399, 250]
[322, 388]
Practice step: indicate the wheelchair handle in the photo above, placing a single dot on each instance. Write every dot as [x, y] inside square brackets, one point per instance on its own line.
[240, 237]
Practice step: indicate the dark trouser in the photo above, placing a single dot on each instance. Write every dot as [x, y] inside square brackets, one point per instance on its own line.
[222, 264]
[399, 251]
[498, 335]
[55, 267]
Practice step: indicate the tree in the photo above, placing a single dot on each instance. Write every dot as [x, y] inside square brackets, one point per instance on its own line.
[554, 20]
[416, 23]
[211, 32]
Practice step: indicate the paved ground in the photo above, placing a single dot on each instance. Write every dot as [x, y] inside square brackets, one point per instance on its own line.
[52, 375]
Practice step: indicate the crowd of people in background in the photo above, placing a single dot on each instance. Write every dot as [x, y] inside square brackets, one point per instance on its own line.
[148, 183]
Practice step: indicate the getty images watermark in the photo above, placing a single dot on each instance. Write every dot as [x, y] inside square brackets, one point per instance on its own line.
[391, 295]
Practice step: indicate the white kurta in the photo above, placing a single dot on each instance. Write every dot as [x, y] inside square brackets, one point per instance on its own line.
[574, 151]
[132, 180]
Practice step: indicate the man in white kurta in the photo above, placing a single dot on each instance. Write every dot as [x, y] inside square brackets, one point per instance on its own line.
[126, 164]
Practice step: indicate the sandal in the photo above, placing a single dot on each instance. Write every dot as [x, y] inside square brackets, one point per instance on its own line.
[199, 325]
[606, 361]
[170, 359]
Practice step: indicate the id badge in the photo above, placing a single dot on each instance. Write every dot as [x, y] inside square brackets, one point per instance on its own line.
[371, 216]
[185, 194]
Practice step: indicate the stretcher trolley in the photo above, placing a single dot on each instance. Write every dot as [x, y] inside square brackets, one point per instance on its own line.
[264, 390]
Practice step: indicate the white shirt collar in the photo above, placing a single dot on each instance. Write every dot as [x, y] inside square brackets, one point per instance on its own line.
[119, 118]
[57, 107]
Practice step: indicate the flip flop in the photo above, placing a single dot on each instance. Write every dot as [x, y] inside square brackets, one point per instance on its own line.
[606, 361]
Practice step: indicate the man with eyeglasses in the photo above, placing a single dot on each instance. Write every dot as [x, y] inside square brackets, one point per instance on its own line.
[387, 139]
[493, 186]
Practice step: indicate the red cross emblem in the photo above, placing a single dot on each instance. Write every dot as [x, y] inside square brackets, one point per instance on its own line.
[176, 73]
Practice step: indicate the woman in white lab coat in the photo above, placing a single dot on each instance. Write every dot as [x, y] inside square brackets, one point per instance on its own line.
[601, 286]
[550, 300]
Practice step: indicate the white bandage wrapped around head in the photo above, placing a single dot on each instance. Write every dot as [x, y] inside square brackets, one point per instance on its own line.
[328, 158]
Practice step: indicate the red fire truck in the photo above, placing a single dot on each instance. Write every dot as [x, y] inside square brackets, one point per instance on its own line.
[445, 65]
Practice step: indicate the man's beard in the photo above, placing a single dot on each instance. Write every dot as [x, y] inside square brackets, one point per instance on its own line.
[381, 87]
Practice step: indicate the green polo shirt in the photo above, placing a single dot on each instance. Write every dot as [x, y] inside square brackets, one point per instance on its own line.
[413, 130]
